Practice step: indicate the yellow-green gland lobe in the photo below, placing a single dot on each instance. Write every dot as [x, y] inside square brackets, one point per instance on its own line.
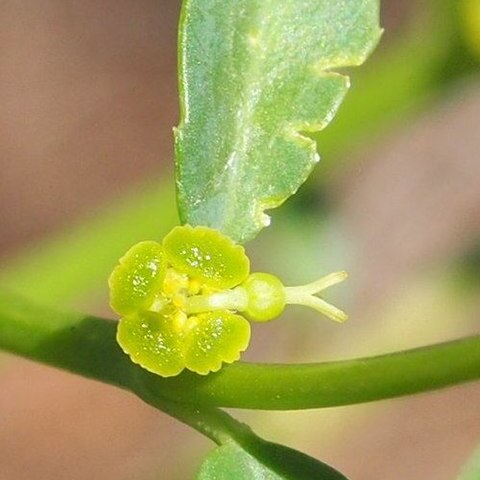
[139, 275]
[182, 301]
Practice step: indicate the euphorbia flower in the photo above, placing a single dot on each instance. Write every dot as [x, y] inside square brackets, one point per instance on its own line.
[179, 301]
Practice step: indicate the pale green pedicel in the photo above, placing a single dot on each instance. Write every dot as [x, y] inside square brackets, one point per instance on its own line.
[181, 301]
[255, 75]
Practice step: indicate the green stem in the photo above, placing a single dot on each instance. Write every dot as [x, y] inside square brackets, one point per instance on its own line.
[212, 422]
[86, 345]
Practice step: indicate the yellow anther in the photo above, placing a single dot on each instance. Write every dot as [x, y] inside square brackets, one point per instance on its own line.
[179, 320]
[194, 286]
[174, 282]
[191, 322]
[179, 300]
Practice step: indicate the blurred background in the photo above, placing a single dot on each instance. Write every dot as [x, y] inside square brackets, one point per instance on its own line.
[88, 99]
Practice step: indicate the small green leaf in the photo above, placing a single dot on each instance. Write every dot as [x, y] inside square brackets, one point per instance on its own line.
[152, 341]
[263, 461]
[254, 76]
[214, 338]
[137, 279]
[206, 255]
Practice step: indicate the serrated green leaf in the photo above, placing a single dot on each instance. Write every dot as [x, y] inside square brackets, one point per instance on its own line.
[263, 461]
[254, 76]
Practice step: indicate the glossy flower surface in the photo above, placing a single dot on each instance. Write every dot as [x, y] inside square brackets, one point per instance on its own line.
[182, 301]
[151, 288]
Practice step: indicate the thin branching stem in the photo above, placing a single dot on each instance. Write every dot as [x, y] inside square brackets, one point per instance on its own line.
[86, 345]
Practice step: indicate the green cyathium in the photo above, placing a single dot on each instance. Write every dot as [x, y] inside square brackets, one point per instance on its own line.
[182, 302]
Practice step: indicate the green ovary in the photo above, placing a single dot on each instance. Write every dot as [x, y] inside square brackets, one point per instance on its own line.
[266, 296]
